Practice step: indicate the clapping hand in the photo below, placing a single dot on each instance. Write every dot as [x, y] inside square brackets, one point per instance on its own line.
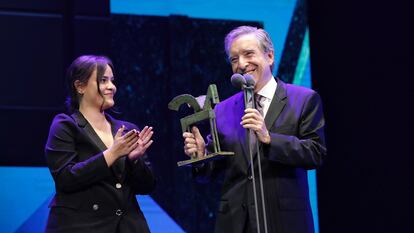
[124, 144]
[144, 141]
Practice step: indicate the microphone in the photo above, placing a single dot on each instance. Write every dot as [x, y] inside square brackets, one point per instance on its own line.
[246, 83]
[249, 80]
[250, 83]
[238, 81]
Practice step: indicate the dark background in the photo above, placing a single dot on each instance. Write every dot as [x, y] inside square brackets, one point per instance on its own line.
[362, 61]
[362, 65]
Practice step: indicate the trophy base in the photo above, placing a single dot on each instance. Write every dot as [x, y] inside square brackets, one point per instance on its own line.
[209, 157]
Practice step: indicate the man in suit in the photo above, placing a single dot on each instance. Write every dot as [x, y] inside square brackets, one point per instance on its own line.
[289, 127]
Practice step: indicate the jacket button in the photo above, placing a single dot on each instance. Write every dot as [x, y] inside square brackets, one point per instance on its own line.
[118, 185]
[250, 177]
[95, 207]
[118, 212]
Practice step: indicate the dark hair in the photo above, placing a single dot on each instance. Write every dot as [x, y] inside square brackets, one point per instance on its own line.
[81, 69]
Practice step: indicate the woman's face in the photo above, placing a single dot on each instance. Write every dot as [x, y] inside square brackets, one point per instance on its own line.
[90, 95]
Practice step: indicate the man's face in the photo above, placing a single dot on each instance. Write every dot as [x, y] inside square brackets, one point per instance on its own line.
[246, 57]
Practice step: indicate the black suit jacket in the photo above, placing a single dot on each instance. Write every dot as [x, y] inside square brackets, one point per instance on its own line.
[295, 122]
[90, 196]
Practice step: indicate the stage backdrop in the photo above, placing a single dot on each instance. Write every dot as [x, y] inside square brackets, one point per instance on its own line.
[177, 52]
[160, 50]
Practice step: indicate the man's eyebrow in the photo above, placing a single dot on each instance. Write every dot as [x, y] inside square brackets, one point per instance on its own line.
[248, 50]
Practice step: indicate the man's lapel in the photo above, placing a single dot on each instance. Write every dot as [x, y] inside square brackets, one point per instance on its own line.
[275, 108]
[277, 104]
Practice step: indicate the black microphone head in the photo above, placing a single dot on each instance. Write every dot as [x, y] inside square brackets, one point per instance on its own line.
[249, 80]
[237, 80]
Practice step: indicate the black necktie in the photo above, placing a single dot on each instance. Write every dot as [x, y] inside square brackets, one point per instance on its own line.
[258, 99]
[259, 102]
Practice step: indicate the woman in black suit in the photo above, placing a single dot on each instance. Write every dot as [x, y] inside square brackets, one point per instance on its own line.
[98, 163]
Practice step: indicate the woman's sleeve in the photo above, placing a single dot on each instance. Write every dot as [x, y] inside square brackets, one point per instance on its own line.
[140, 173]
[70, 174]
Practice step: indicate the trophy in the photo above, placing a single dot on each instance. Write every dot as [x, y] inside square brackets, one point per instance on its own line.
[201, 113]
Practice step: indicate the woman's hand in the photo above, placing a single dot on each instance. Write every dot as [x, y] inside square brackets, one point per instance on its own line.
[123, 145]
[141, 145]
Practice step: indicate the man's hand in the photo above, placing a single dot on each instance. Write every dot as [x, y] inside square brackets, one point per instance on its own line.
[194, 143]
[253, 120]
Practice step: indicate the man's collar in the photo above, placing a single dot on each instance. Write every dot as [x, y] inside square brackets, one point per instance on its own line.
[269, 89]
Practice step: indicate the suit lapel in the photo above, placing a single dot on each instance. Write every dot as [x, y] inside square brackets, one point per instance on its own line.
[275, 108]
[89, 131]
[277, 104]
[118, 166]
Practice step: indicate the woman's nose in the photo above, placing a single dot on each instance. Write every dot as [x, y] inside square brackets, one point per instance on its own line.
[111, 85]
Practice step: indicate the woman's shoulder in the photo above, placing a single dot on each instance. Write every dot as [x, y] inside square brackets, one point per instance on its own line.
[64, 128]
[62, 121]
[62, 118]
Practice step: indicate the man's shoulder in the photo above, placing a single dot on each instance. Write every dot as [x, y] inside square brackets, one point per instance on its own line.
[297, 88]
[234, 98]
[299, 91]
[231, 100]
[298, 94]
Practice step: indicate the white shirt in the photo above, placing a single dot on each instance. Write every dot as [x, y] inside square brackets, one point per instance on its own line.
[268, 91]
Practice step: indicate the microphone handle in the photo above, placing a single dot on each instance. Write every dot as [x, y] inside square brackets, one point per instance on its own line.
[248, 97]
